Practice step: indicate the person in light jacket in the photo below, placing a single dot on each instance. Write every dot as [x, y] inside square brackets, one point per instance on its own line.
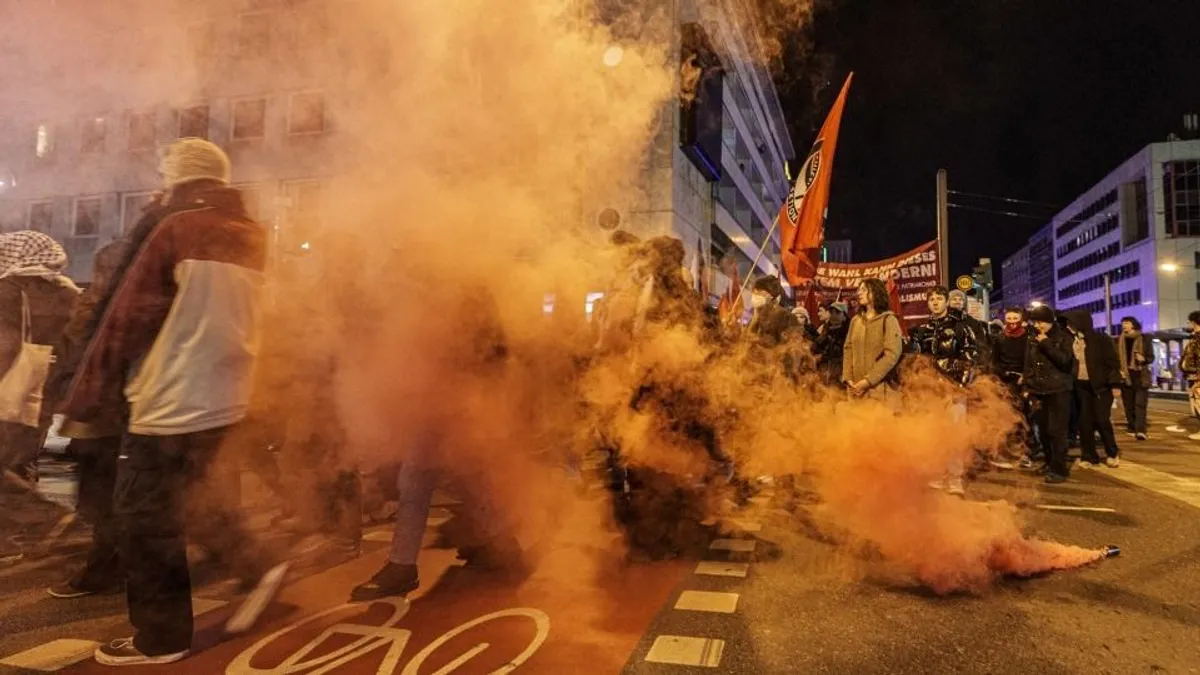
[1137, 358]
[874, 344]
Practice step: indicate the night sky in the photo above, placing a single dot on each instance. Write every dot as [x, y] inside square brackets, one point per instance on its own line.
[1033, 99]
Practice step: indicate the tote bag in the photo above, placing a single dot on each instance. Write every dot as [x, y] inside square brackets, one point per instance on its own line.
[22, 386]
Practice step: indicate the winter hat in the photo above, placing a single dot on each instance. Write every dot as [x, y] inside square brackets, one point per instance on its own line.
[801, 312]
[769, 285]
[840, 307]
[191, 159]
[957, 294]
[1041, 313]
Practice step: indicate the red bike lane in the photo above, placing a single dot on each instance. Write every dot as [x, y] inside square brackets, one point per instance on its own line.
[463, 621]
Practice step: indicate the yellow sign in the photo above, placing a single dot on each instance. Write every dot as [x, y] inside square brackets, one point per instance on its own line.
[965, 283]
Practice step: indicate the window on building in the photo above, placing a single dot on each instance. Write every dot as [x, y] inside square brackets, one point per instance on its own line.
[133, 205]
[143, 131]
[87, 216]
[302, 203]
[306, 113]
[1181, 198]
[44, 141]
[41, 216]
[254, 34]
[193, 122]
[92, 135]
[249, 119]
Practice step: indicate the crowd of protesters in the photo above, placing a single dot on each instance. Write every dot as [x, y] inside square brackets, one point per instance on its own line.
[153, 368]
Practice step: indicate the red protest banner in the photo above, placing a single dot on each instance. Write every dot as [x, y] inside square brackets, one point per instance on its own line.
[913, 273]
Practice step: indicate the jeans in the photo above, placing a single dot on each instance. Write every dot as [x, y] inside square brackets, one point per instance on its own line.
[1095, 414]
[1052, 414]
[415, 480]
[160, 491]
[1135, 398]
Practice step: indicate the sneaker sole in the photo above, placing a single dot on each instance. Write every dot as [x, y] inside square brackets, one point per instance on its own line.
[251, 609]
[108, 660]
[69, 595]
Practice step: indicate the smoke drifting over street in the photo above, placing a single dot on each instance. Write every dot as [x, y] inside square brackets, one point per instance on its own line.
[475, 136]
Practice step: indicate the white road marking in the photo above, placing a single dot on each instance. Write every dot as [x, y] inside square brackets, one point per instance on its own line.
[206, 605]
[1090, 509]
[723, 569]
[686, 651]
[52, 656]
[745, 525]
[1186, 490]
[735, 545]
[705, 601]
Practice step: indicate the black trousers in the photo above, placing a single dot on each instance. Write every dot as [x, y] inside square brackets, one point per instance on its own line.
[1095, 414]
[1052, 414]
[97, 482]
[1135, 398]
[165, 485]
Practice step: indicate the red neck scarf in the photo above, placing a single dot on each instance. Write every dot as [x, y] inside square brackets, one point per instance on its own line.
[1012, 331]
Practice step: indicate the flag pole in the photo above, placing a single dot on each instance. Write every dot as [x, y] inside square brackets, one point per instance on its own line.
[754, 265]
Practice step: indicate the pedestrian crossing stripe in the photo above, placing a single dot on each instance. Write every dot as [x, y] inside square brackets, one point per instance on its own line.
[678, 650]
[52, 656]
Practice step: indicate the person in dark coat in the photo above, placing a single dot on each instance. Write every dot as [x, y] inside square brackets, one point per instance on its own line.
[1049, 371]
[830, 341]
[95, 444]
[1009, 351]
[983, 337]
[1097, 375]
[1137, 357]
[31, 278]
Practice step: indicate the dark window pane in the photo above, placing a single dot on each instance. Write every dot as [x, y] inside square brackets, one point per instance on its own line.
[249, 119]
[193, 122]
[41, 216]
[87, 217]
[307, 114]
[92, 137]
[142, 131]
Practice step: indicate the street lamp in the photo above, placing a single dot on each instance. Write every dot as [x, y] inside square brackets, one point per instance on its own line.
[613, 56]
[1169, 267]
[1035, 304]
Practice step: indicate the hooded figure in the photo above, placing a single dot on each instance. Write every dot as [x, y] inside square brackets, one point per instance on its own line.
[31, 276]
[1049, 368]
[1097, 374]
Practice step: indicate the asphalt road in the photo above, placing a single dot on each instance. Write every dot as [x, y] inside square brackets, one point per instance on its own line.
[771, 600]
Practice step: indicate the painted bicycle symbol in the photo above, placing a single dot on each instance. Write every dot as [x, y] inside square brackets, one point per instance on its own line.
[372, 638]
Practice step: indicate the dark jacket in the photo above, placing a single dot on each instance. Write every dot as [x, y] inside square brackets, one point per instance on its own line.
[50, 306]
[1100, 353]
[950, 343]
[1050, 363]
[1008, 355]
[773, 325]
[1127, 349]
[983, 339]
[110, 421]
[1189, 363]
[829, 345]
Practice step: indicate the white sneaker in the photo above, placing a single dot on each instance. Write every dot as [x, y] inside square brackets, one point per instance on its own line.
[1080, 464]
[1140, 436]
[123, 653]
[1113, 462]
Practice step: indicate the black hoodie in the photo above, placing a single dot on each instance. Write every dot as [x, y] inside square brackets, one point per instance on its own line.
[1100, 352]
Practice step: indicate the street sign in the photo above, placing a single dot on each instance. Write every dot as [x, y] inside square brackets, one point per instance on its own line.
[965, 283]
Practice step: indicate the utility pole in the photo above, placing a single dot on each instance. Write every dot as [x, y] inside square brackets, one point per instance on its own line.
[943, 228]
[1108, 304]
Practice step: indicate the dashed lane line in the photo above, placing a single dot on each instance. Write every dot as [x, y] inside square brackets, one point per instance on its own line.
[679, 650]
[733, 545]
[1186, 490]
[52, 656]
[707, 601]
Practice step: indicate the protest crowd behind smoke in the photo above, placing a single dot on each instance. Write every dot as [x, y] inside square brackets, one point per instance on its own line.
[492, 126]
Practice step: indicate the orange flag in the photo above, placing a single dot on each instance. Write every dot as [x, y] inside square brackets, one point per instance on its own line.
[802, 216]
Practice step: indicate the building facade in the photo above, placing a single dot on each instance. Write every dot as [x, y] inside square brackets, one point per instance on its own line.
[1041, 266]
[1014, 273]
[1138, 232]
[250, 76]
[837, 251]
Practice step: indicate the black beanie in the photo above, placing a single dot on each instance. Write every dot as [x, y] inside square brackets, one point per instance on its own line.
[1042, 313]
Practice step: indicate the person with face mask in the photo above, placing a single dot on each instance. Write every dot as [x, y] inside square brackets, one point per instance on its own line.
[1097, 375]
[983, 342]
[1137, 358]
[946, 340]
[176, 336]
[1048, 376]
[1008, 354]
[874, 345]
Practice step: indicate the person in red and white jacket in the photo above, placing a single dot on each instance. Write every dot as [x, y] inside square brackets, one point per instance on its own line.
[177, 339]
